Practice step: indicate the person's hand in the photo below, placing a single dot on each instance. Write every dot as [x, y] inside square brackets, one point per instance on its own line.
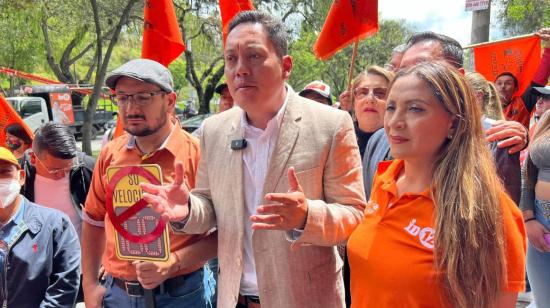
[170, 201]
[345, 100]
[509, 134]
[535, 234]
[93, 295]
[544, 35]
[287, 213]
[152, 274]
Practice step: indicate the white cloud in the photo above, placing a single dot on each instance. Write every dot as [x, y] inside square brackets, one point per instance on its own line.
[442, 16]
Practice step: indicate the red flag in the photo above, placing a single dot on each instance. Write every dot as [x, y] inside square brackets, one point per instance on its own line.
[347, 21]
[230, 9]
[9, 116]
[162, 40]
[520, 57]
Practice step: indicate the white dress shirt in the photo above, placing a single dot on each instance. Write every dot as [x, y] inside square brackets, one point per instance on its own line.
[256, 157]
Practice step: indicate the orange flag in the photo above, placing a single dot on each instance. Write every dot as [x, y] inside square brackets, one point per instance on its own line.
[520, 57]
[9, 116]
[230, 9]
[347, 21]
[162, 40]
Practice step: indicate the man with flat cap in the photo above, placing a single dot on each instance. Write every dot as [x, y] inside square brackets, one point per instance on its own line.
[145, 97]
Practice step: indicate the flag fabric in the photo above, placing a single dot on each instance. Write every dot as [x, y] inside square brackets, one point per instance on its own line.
[347, 21]
[520, 56]
[230, 9]
[9, 116]
[119, 128]
[162, 40]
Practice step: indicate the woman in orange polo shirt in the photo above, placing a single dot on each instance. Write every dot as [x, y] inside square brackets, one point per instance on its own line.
[439, 230]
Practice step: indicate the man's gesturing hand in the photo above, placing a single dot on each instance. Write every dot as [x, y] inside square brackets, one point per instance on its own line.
[509, 134]
[171, 201]
[288, 212]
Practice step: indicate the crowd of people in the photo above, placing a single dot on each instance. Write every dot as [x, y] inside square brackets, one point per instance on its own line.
[414, 173]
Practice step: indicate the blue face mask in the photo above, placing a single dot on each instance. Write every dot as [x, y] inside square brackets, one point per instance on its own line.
[9, 189]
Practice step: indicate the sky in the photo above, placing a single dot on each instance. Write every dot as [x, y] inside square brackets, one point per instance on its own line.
[442, 16]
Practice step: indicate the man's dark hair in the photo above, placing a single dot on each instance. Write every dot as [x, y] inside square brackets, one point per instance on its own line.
[451, 48]
[516, 82]
[274, 27]
[18, 131]
[56, 139]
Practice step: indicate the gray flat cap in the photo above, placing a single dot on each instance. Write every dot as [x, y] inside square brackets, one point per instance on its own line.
[144, 70]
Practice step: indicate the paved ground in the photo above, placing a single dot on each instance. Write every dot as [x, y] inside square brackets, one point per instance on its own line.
[96, 144]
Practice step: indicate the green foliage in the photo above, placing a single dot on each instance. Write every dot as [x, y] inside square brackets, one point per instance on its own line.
[524, 16]
[375, 50]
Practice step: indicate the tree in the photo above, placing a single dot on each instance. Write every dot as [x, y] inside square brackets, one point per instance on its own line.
[201, 31]
[102, 60]
[523, 16]
[374, 50]
[20, 48]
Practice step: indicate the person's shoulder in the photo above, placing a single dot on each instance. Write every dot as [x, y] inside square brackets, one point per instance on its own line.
[184, 136]
[117, 144]
[223, 120]
[44, 214]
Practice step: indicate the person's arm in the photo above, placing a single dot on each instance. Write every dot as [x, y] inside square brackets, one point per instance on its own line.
[65, 276]
[511, 135]
[93, 246]
[324, 222]
[509, 171]
[152, 274]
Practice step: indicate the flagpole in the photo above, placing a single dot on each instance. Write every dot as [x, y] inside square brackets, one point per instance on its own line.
[499, 41]
[352, 64]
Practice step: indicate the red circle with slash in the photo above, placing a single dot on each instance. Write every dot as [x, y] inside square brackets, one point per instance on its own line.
[118, 220]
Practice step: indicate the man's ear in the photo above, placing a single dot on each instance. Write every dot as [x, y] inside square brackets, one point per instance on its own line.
[21, 177]
[287, 66]
[32, 158]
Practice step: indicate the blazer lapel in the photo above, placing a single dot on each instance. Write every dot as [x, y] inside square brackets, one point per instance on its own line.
[234, 169]
[288, 134]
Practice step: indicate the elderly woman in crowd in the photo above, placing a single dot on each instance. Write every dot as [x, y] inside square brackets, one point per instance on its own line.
[439, 230]
[369, 94]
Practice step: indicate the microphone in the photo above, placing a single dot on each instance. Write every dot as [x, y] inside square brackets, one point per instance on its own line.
[238, 144]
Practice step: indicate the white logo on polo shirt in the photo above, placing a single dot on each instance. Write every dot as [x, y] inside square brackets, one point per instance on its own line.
[425, 235]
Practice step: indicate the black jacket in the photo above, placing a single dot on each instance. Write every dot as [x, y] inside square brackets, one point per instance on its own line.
[79, 180]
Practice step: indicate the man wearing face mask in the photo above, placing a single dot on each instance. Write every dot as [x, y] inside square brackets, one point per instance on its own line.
[39, 249]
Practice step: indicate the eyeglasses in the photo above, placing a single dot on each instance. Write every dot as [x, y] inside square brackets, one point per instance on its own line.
[362, 93]
[57, 171]
[141, 99]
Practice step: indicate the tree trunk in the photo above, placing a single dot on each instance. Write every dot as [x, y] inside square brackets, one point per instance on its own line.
[101, 72]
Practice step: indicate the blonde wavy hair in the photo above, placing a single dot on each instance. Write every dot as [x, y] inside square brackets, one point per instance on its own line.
[469, 245]
[492, 108]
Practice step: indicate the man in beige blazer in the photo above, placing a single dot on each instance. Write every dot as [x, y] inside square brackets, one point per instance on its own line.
[281, 201]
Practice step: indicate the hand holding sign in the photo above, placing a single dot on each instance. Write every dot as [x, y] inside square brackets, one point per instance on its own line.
[152, 274]
[171, 201]
[288, 213]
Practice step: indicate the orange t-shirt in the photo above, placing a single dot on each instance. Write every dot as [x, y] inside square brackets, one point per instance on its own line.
[121, 152]
[391, 251]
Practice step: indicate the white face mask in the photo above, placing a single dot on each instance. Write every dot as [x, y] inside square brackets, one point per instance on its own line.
[9, 189]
